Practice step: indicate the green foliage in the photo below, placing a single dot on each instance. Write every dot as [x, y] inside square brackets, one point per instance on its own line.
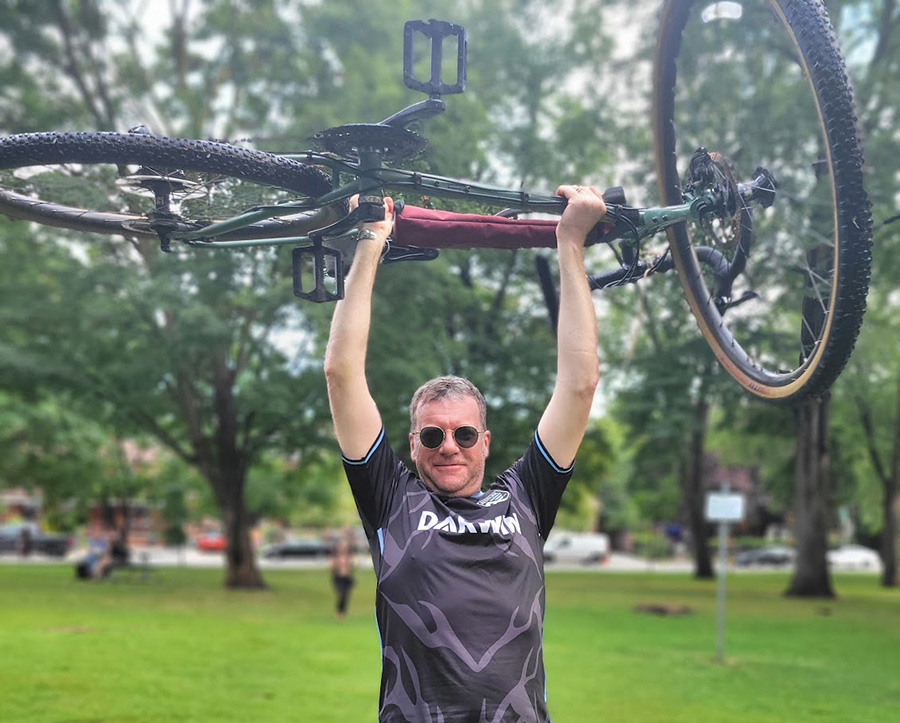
[657, 381]
[596, 498]
[175, 514]
[743, 543]
[651, 544]
[45, 445]
[868, 389]
[191, 348]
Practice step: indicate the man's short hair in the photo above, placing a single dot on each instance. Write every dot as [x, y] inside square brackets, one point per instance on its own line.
[447, 387]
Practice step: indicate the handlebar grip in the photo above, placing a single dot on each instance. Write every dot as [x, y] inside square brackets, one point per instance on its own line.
[615, 195]
[371, 208]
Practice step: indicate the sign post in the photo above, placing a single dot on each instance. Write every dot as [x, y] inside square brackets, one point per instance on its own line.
[723, 508]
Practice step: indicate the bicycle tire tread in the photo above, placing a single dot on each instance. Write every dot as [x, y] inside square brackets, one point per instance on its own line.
[31, 149]
[817, 40]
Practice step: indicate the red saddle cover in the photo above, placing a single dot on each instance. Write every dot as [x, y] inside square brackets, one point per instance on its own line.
[426, 227]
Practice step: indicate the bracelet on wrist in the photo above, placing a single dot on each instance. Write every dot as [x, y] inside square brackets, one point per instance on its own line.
[366, 234]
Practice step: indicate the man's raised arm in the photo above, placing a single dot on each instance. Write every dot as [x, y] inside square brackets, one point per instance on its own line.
[357, 421]
[562, 425]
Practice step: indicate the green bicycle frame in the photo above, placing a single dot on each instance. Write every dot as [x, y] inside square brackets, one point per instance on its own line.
[651, 220]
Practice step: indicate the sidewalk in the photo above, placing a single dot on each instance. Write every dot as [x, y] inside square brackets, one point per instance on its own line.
[622, 562]
[191, 557]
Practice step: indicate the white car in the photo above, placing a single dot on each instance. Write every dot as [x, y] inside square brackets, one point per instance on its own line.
[583, 547]
[854, 557]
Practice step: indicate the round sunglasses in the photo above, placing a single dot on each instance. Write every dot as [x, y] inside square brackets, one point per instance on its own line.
[432, 437]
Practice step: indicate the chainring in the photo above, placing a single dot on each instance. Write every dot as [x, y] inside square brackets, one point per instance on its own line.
[394, 144]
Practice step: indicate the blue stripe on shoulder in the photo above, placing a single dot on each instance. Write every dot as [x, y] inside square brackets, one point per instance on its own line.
[550, 460]
[369, 454]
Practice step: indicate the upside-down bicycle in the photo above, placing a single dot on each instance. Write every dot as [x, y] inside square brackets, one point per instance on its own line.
[769, 230]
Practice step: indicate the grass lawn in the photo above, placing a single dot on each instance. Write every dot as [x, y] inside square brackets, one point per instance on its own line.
[181, 648]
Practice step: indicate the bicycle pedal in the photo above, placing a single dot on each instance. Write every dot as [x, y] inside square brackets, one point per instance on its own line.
[436, 31]
[318, 273]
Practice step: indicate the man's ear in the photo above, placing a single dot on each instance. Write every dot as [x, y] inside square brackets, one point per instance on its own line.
[412, 446]
[487, 442]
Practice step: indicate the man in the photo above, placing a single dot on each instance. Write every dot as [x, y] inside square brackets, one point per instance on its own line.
[460, 593]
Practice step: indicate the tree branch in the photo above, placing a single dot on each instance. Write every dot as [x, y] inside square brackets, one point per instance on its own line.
[865, 419]
[72, 66]
[886, 28]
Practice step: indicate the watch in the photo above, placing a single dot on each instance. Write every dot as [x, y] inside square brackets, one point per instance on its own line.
[366, 234]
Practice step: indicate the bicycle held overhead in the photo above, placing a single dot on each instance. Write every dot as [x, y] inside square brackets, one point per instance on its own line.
[768, 229]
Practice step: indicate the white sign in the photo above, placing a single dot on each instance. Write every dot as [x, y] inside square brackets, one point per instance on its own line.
[724, 508]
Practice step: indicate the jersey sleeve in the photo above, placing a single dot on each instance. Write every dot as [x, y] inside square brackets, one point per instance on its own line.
[542, 480]
[373, 481]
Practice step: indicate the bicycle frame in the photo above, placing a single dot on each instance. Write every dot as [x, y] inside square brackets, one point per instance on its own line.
[648, 221]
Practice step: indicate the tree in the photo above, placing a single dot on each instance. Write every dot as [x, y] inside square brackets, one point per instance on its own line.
[869, 30]
[183, 349]
[45, 446]
[811, 576]
[189, 348]
[889, 477]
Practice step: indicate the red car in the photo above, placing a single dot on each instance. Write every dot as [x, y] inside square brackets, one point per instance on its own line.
[211, 542]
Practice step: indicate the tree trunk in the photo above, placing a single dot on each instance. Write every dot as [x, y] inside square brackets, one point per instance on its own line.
[240, 561]
[693, 492]
[811, 576]
[889, 512]
[890, 480]
[889, 534]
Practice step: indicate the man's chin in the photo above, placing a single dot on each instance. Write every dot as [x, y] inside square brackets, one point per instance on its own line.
[447, 486]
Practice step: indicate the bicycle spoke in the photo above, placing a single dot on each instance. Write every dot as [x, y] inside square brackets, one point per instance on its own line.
[135, 191]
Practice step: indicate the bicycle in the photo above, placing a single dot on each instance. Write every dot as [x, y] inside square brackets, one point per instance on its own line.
[783, 325]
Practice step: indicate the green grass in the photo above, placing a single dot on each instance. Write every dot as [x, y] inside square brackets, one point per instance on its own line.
[183, 649]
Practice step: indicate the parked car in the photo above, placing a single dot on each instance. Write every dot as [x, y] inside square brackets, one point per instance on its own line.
[297, 549]
[583, 547]
[211, 542]
[775, 555]
[854, 557]
[44, 543]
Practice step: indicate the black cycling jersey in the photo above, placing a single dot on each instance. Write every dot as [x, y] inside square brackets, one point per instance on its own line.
[460, 589]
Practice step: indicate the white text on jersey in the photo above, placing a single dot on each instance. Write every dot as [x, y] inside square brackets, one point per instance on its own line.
[461, 526]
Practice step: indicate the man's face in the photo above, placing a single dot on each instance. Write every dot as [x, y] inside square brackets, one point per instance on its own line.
[450, 470]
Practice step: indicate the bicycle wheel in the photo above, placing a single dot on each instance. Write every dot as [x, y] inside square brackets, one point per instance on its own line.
[762, 83]
[127, 183]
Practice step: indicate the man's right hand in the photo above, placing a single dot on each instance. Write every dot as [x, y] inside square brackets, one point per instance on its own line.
[381, 229]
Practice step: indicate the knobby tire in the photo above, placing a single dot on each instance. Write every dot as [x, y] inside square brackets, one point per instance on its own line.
[826, 343]
[122, 149]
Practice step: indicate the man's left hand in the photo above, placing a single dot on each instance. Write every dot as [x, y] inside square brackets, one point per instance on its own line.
[584, 210]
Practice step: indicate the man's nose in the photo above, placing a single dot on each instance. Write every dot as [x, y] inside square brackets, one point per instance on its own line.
[448, 443]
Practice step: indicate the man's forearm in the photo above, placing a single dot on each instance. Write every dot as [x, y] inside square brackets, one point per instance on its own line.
[577, 365]
[355, 415]
[562, 425]
[345, 355]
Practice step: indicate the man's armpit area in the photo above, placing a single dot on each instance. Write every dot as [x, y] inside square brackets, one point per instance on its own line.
[365, 459]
